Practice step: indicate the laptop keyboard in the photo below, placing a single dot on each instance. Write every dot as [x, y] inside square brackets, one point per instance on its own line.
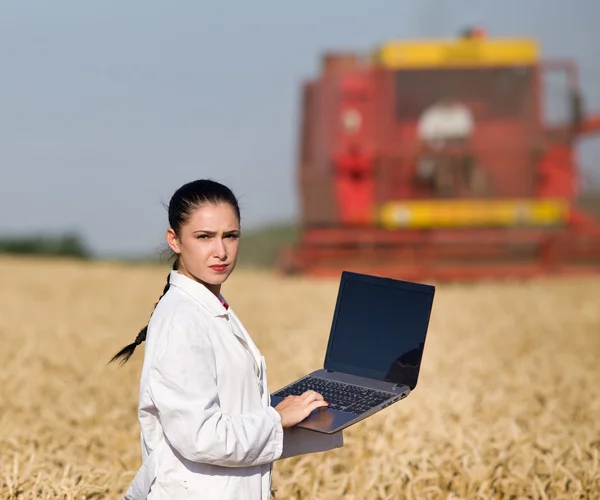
[340, 396]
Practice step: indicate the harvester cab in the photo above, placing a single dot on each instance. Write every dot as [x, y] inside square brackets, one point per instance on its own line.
[434, 159]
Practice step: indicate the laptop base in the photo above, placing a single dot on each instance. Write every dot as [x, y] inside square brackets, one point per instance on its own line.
[330, 420]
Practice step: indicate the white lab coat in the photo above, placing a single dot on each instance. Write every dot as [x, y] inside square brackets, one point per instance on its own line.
[207, 428]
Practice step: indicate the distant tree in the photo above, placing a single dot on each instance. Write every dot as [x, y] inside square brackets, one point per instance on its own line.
[260, 247]
[65, 245]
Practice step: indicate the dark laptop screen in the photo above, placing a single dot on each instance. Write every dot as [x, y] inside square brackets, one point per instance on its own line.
[379, 329]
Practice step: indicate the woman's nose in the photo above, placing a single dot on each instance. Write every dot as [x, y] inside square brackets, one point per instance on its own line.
[220, 250]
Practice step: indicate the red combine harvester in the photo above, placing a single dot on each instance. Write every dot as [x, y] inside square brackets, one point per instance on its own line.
[433, 160]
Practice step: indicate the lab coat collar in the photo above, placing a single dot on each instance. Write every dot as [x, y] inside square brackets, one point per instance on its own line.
[198, 292]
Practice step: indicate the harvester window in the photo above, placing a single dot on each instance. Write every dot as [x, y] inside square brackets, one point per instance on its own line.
[490, 93]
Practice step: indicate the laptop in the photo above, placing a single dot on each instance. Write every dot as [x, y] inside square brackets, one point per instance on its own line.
[374, 352]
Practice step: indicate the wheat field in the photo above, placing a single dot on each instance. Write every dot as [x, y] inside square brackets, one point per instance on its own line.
[507, 406]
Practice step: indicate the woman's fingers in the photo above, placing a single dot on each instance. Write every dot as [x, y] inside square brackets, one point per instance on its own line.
[309, 396]
[294, 409]
[314, 405]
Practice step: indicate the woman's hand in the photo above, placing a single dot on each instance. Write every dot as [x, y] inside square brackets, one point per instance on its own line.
[294, 409]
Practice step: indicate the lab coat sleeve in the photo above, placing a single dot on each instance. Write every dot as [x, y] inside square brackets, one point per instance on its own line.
[184, 389]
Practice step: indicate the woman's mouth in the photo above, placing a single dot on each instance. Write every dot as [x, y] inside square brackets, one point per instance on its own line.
[219, 268]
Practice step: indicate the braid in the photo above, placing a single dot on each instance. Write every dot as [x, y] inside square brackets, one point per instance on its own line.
[128, 350]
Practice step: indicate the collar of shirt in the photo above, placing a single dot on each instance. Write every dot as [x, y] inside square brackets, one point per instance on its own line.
[216, 305]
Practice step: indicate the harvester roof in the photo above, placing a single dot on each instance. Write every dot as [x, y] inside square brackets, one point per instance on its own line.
[471, 50]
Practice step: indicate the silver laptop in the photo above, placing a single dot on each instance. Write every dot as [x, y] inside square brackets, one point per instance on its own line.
[374, 352]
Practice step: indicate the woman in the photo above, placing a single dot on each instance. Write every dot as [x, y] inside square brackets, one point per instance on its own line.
[207, 428]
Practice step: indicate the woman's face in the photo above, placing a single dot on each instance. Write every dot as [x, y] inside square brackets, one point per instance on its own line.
[208, 244]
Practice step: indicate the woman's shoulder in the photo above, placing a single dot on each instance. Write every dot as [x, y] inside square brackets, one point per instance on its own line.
[177, 322]
[175, 308]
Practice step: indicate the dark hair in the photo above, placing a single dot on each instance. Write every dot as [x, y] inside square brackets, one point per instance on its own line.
[184, 201]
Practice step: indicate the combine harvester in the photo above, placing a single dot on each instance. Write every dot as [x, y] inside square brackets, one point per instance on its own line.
[434, 160]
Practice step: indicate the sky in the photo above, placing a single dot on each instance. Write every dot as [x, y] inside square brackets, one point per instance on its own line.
[108, 107]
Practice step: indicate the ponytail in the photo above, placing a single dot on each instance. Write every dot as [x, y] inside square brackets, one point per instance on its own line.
[128, 350]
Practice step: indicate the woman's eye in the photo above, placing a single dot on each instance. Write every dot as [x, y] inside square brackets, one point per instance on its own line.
[206, 236]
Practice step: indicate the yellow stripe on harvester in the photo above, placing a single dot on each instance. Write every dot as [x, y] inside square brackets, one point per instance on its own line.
[474, 213]
[457, 53]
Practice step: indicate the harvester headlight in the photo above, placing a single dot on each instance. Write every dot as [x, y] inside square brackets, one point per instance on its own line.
[402, 216]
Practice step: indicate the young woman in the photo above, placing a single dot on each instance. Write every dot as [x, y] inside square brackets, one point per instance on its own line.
[207, 428]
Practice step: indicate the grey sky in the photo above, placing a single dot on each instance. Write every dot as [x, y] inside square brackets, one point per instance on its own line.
[109, 106]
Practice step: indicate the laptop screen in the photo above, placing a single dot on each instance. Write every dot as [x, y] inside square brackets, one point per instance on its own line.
[379, 328]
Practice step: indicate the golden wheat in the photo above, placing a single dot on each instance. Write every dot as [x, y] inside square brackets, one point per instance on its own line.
[507, 406]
